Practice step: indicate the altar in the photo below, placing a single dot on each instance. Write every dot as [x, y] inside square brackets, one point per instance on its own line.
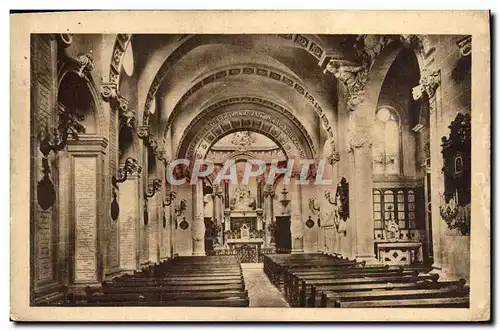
[244, 232]
[399, 252]
[393, 250]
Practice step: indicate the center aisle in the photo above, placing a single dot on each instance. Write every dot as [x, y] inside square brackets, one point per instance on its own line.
[260, 290]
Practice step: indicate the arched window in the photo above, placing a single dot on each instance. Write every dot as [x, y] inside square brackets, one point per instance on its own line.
[386, 143]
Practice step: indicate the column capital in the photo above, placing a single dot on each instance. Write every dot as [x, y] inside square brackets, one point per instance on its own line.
[109, 92]
[354, 77]
[465, 46]
[162, 155]
[142, 131]
[430, 80]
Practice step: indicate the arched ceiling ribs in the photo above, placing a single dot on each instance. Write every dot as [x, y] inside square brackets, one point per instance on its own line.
[246, 120]
[110, 89]
[310, 44]
[260, 71]
[121, 44]
[252, 102]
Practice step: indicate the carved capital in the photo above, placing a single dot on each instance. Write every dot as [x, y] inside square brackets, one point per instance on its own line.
[429, 82]
[162, 155]
[84, 63]
[108, 91]
[127, 118]
[153, 143]
[412, 41]
[465, 46]
[143, 131]
[353, 77]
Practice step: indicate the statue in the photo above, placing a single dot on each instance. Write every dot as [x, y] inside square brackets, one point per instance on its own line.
[243, 199]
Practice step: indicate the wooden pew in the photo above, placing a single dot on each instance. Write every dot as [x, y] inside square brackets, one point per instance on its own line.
[295, 286]
[334, 299]
[457, 302]
[184, 281]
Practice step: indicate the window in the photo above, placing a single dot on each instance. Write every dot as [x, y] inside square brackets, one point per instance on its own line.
[397, 204]
[386, 143]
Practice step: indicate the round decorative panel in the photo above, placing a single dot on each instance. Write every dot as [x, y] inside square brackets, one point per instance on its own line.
[309, 222]
[184, 225]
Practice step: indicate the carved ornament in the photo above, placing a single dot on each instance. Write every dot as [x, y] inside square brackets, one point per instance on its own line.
[465, 46]
[429, 82]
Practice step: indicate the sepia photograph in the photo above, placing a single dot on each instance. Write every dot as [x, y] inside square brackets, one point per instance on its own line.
[252, 169]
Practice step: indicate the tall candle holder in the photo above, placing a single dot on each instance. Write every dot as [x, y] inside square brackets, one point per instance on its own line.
[284, 201]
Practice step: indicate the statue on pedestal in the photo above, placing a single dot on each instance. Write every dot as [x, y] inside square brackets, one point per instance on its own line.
[243, 199]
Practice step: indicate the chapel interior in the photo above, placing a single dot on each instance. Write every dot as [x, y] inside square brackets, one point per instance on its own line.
[388, 115]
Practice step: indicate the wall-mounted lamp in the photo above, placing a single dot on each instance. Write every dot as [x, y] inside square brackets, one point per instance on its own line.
[68, 125]
[181, 207]
[170, 196]
[153, 188]
[131, 166]
[328, 197]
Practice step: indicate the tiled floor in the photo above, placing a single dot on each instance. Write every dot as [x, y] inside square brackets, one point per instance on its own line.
[260, 290]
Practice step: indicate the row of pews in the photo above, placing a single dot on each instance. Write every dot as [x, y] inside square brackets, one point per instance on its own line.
[322, 280]
[204, 281]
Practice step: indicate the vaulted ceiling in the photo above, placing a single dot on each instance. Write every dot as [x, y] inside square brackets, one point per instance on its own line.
[182, 75]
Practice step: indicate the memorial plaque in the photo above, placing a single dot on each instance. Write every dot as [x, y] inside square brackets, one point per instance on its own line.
[113, 254]
[44, 245]
[127, 247]
[153, 237]
[144, 254]
[85, 218]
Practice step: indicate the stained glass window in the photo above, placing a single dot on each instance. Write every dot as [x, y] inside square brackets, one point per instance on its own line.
[386, 143]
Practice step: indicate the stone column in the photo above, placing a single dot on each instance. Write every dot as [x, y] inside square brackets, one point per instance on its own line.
[361, 186]
[86, 210]
[297, 223]
[268, 196]
[217, 212]
[361, 202]
[198, 226]
[429, 84]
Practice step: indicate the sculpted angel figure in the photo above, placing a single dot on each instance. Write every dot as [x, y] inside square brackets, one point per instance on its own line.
[345, 73]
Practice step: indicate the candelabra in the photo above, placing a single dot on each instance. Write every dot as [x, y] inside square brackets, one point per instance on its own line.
[284, 201]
